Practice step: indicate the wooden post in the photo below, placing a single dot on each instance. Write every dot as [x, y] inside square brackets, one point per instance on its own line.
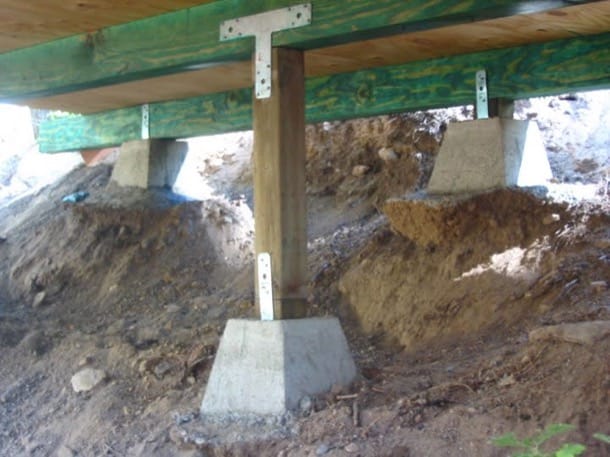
[279, 183]
[501, 107]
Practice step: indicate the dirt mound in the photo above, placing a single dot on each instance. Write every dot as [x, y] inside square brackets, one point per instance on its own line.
[132, 282]
[466, 267]
[111, 246]
[497, 219]
[372, 159]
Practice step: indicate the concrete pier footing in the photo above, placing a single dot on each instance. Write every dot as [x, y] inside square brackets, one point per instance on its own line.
[149, 163]
[266, 367]
[489, 153]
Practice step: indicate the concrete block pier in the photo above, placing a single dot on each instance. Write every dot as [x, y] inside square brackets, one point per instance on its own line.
[266, 367]
[149, 163]
[486, 154]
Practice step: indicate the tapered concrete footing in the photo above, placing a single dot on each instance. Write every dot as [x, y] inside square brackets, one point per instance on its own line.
[149, 163]
[489, 153]
[266, 367]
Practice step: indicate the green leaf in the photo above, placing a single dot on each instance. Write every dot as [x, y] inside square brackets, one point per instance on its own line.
[570, 450]
[549, 432]
[602, 437]
[508, 440]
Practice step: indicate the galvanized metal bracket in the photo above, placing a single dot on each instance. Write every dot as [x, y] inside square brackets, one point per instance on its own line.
[482, 99]
[262, 26]
[145, 122]
[265, 286]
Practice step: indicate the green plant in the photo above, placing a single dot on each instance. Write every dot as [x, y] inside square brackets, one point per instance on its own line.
[602, 437]
[530, 447]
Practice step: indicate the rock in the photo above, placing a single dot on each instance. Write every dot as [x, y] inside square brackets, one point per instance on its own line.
[360, 170]
[199, 304]
[580, 333]
[162, 368]
[306, 405]
[387, 154]
[551, 219]
[2, 239]
[86, 379]
[599, 286]
[180, 419]
[38, 299]
[172, 309]
[507, 380]
[179, 437]
[65, 451]
[352, 448]
[322, 449]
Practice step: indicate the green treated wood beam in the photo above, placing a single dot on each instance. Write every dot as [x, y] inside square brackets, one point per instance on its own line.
[189, 39]
[521, 72]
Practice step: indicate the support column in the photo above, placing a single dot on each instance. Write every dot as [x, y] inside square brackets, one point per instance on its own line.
[279, 183]
[265, 367]
[503, 108]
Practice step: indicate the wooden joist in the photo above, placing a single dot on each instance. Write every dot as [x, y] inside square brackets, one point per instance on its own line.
[188, 39]
[513, 73]
[27, 23]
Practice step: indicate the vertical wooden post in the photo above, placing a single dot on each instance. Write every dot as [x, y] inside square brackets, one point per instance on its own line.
[279, 183]
[502, 108]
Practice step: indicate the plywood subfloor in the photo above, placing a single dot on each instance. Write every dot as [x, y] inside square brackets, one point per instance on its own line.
[27, 22]
[586, 19]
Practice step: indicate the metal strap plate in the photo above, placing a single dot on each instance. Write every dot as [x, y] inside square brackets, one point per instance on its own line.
[262, 26]
[482, 100]
[145, 122]
[265, 286]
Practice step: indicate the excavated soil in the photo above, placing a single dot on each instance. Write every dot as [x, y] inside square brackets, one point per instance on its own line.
[455, 310]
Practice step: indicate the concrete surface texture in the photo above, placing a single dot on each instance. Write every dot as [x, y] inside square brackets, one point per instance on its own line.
[149, 163]
[266, 367]
[489, 153]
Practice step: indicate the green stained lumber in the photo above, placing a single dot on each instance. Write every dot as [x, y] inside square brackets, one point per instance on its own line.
[189, 39]
[98, 130]
[527, 71]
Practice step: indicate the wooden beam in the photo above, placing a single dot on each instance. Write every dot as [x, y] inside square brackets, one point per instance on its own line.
[94, 131]
[188, 39]
[505, 32]
[280, 215]
[526, 71]
[26, 24]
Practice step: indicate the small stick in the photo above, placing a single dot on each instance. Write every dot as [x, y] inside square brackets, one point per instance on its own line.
[346, 397]
[356, 414]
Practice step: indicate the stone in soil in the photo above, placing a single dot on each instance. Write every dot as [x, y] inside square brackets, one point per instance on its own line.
[580, 332]
[38, 299]
[86, 379]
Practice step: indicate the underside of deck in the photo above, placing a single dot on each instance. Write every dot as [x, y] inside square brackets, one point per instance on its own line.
[105, 59]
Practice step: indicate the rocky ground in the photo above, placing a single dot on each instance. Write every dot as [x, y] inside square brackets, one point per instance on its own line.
[468, 318]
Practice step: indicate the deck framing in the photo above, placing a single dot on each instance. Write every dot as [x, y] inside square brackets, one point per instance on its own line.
[513, 73]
